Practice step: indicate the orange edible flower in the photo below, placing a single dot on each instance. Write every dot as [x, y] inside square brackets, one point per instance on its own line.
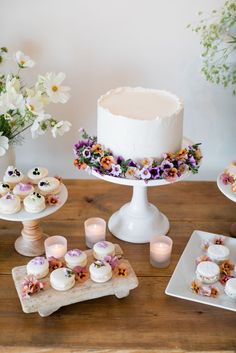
[106, 162]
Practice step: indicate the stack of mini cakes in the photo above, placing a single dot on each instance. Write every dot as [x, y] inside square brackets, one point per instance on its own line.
[31, 190]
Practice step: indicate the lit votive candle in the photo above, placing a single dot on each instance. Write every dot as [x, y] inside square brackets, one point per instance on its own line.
[55, 246]
[95, 231]
[160, 251]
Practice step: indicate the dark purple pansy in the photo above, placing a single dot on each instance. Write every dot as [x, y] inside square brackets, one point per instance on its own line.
[155, 172]
[132, 163]
[119, 159]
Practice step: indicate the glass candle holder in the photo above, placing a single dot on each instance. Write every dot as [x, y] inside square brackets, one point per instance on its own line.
[160, 251]
[55, 246]
[95, 231]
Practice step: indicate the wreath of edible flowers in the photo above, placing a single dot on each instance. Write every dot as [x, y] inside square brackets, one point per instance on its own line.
[92, 156]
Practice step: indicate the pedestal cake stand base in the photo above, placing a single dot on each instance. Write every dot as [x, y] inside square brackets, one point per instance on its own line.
[31, 241]
[137, 221]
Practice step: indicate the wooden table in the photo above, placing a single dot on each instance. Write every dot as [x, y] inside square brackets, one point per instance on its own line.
[147, 320]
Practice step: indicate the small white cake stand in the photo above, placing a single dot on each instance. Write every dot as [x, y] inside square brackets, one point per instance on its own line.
[31, 241]
[137, 221]
[226, 190]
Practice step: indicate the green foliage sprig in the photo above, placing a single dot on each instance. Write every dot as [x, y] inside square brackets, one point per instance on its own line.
[218, 40]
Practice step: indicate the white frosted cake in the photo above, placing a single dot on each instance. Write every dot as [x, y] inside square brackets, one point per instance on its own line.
[140, 123]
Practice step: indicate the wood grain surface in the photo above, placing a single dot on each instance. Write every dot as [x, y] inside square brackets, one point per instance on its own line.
[146, 320]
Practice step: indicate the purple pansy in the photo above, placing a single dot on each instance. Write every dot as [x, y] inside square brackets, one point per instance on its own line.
[155, 172]
[39, 260]
[115, 170]
[192, 161]
[119, 159]
[74, 252]
[24, 187]
[102, 244]
[86, 153]
[166, 164]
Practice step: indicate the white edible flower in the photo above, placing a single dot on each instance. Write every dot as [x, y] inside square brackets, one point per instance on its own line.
[131, 173]
[39, 126]
[23, 60]
[4, 144]
[34, 105]
[54, 90]
[60, 128]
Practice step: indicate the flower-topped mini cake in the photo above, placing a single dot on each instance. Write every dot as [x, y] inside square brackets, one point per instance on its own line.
[100, 271]
[39, 267]
[75, 257]
[103, 249]
[36, 174]
[62, 279]
[23, 190]
[10, 204]
[12, 176]
[4, 188]
[218, 253]
[34, 203]
[49, 185]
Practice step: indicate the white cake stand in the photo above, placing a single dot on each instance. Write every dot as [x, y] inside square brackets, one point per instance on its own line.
[226, 190]
[138, 220]
[31, 241]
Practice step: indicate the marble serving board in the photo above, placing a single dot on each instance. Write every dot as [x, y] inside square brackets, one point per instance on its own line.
[49, 300]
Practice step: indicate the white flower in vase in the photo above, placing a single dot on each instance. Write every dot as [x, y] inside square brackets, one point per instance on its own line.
[60, 128]
[11, 100]
[12, 82]
[35, 105]
[4, 145]
[53, 88]
[23, 60]
[40, 125]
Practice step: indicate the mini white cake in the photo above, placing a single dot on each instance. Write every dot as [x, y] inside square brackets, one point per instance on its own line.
[36, 174]
[218, 253]
[75, 257]
[230, 288]
[34, 203]
[62, 279]
[231, 169]
[39, 267]
[12, 176]
[23, 190]
[207, 272]
[100, 271]
[137, 122]
[10, 204]
[103, 249]
[49, 185]
[4, 188]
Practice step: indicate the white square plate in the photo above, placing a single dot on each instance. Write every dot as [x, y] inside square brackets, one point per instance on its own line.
[180, 283]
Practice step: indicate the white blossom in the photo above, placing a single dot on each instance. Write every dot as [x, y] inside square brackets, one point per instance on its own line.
[23, 60]
[53, 88]
[39, 125]
[60, 128]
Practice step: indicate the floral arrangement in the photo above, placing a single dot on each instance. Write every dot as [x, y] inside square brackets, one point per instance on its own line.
[93, 156]
[23, 107]
[218, 40]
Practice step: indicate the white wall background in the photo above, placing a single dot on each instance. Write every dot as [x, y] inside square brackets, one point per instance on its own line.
[103, 44]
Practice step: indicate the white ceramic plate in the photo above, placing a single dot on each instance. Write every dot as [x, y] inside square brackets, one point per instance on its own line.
[180, 283]
[22, 215]
[226, 190]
